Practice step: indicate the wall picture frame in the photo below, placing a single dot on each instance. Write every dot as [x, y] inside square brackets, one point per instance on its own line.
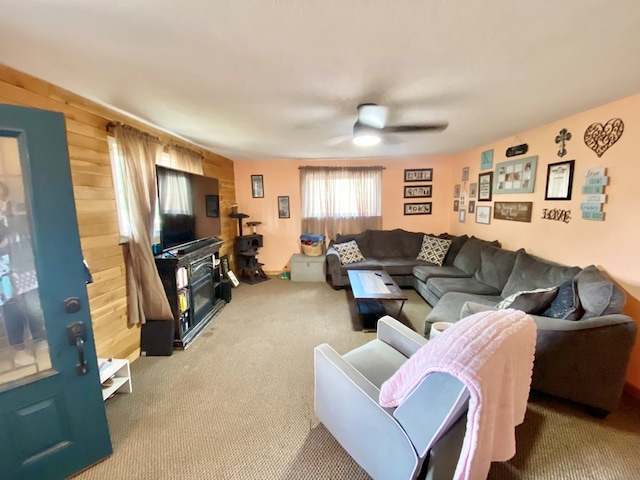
[257, 186]
[515, 176]
[465, 174]
[559, 180]
[212, 206]
[462, 215]
[418, 175]
[472, 206]
[486, 160]
[473, 190]
[483, 214]
[418, 208]
[485, 186]
[283, 207]
[417, 191]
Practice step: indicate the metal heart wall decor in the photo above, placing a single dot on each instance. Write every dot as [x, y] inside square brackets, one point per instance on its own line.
[600, 137]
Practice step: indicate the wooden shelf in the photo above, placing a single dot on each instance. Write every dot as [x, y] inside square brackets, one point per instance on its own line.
[116, 369]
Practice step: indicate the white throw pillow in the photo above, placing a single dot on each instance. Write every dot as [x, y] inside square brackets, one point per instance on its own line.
[530, 301]
[433, 249]
[349, 252]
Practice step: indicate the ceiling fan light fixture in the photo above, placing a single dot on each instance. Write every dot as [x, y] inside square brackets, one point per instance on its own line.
[365, 136]
[366, 139]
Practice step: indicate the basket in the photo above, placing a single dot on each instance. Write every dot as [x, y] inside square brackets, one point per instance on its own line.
[312, 250]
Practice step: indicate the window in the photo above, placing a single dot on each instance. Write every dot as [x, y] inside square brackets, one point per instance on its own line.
[341, 200]
[120, 188]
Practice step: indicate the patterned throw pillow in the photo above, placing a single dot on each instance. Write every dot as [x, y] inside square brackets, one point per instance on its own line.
[531, 301]
[349, 252]
[433, 249]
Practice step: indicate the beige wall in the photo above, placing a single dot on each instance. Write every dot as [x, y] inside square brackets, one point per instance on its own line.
[95, 201]
[612, 245]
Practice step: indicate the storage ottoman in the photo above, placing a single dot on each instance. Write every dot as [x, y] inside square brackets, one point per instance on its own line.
[308, 269]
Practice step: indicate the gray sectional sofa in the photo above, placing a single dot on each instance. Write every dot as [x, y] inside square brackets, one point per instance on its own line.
[584, 340]
[395, 251]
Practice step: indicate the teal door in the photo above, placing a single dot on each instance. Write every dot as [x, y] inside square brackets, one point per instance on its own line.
[52, 417]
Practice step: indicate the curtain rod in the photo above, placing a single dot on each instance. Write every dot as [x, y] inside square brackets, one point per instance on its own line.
[112, 125]
[341, 168]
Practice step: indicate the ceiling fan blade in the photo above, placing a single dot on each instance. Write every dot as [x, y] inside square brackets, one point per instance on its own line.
[332, 142]
[435, 127]
[372, 115]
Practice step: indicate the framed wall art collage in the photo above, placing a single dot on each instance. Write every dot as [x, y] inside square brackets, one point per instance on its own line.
[419, 188]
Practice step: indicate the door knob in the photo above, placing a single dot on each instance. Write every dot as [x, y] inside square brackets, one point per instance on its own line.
[77, 334]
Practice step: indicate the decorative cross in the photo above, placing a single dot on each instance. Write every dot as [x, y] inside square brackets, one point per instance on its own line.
[564, 136]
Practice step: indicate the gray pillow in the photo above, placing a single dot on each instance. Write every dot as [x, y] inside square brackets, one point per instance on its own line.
[468, 259]
[496, 265]
[531, 272]
[530, 301]
[598, 296]
[454, 249]
[566, 305]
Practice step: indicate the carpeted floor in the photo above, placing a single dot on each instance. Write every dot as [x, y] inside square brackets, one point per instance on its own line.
[238, 403]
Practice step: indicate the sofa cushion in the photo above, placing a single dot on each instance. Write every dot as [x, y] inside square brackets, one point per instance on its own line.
[468, 259]
[385, 243]
[566, 305]
[411, 243]
[531, 301]
[362, 239]
[496, 265]
[433, 249]
[438, 286]
[426, 272]
[454, 249]
[399, 266]
[598, 296]
[349, 252]
[531, 272]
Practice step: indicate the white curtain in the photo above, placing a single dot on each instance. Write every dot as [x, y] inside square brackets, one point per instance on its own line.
[137, 152]
[341, 199]
[175, 189]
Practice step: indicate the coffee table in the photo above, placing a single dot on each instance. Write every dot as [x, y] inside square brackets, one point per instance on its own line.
[370, 289]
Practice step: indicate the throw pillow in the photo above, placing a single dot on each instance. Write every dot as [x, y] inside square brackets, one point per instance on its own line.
[433, 249]
[349, 252]
[598, 295]
[566, 305]
[531, 301]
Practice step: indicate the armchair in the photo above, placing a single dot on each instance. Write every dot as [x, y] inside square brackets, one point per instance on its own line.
[390, 443]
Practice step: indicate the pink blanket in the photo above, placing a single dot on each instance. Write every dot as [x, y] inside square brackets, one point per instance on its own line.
[492, 354]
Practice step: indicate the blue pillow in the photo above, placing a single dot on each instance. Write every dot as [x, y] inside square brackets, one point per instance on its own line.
[566, 305]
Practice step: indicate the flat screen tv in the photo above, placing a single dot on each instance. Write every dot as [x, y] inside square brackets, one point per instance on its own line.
[188, 207]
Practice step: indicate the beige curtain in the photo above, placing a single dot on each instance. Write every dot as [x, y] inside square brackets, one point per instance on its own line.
[182, 159]
[341, 199]
[138, 152]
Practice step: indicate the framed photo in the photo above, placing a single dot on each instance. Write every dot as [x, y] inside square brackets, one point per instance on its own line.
[485, 185]
[456, 205]
[559, 180]
[462, 215]
[486, 160]
[417, 191]
[456, 191]
[283, 207]
[212, 205]
[465, 174]
[515, 176]
[472, 206]
[423, 208]
[473, 190]
[483, 214]
[418, 175]
[233, 279]
[224, 261]
[257, 187]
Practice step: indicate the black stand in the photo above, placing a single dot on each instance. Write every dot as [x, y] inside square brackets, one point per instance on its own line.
[247, 253]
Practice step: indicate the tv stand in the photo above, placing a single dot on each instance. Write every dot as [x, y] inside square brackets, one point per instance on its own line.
[192, 280]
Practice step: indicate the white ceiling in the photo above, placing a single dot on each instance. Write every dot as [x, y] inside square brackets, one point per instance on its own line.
[261, 79]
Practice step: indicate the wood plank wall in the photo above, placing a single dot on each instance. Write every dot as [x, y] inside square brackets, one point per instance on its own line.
[86, 124]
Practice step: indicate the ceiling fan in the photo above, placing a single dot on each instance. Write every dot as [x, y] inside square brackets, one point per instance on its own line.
[371, 125]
